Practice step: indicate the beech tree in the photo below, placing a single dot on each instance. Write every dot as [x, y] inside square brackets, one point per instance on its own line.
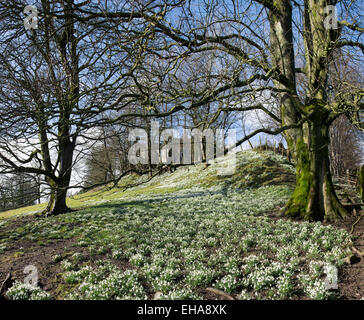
[314, 197]
[56, 81]
[265, 45]
[263, 49]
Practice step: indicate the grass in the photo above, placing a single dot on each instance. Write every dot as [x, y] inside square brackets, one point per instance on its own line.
[186, 231]
[253, 168]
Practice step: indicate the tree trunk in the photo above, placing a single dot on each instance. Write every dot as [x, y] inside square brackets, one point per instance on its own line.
[57, 204]
[361, 182]
[314, 197]
[57, 201]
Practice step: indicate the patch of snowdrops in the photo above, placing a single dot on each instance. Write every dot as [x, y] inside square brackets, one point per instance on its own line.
[177, 246]
[22, 291]
[179, 242]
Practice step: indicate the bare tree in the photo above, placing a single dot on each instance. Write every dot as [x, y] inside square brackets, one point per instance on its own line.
[261, 47]
[346, 147]
[300, 40]
[19, 190]
[57, 84]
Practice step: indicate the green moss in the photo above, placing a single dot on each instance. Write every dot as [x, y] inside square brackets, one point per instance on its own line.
[310, 107]
[18, 254]
[362, 183]
[297, 205]
[64, 289]
[261, 172]
[277, 3]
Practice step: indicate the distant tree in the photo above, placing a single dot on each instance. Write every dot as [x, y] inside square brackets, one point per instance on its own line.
[346, 146]
[19, 190]
[104, 162]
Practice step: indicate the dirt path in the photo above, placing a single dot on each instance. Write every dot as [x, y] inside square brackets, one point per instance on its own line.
[351, 278]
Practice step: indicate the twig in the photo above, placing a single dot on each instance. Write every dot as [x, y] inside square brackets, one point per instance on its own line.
[354, 224]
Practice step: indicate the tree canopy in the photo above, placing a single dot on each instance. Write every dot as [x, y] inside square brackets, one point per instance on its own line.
[92, 64]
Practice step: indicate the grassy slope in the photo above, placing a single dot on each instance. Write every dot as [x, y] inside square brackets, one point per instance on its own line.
[180, 233]
[253, 169]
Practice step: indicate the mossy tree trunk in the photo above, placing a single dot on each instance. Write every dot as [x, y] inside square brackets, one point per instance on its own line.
[314, 197]
[361, 182]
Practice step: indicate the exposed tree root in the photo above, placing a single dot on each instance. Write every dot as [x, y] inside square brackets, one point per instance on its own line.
[352, 259]
[359, 253]
[220, 293]
[6, 285]
[354, 224]
[157, 295]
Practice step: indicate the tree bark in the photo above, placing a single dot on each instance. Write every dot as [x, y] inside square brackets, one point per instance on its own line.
[314, 197]
[361, 182]
[57, 204]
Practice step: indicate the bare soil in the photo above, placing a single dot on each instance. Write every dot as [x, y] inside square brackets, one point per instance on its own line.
[351, 277]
